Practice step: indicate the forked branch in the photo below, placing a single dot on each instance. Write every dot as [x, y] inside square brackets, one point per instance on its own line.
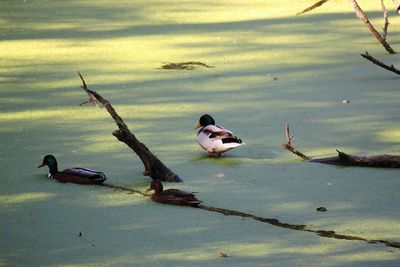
[361, 15]
[92, 99]
[380, 161]
[153, 166]
[288, 145]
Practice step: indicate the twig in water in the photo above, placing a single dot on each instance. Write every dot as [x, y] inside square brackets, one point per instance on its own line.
[288, 145]
[129, 190]
[298, 227]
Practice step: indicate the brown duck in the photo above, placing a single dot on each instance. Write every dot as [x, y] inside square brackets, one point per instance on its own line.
[75, 175]
[172, 196]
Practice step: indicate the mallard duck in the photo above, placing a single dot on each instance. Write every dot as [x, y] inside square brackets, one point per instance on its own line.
[213, 138]
[75, 175]
[172, 196]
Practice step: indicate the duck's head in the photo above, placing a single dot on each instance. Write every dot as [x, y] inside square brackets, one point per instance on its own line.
[155, 186]
[51, 162]
[205, 120]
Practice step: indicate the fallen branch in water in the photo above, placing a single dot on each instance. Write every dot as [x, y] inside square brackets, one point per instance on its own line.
[379, 63]
[153, 166]
[288, 145]
[126, 189]
[274, 222]
[380, 161]
[298, 227]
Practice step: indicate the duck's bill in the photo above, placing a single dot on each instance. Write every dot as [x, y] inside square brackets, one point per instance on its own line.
[40, 165]
[197, 125]
[149, 190]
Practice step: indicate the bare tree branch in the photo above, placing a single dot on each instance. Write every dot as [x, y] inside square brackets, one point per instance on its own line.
[397, 5]
[379, 63]
[288, 145]
[385, 19]
[92, 99]
[361, 15]
[153, 166]
[318, 4]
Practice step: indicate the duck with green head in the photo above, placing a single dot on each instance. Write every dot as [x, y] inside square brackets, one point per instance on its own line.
[213, 138]
[75, 175]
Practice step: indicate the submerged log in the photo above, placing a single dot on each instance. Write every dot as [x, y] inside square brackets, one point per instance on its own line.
[380, 161]
[153, 166]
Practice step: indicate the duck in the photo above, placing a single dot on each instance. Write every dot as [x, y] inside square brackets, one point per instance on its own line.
[77, 175]
[172, 196]
[213, 138]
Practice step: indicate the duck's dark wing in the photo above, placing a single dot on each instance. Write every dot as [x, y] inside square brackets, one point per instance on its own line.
[81, 176]
[69, 178]
[216, 132]
[84, 172]
[178, 193]
[173, 200]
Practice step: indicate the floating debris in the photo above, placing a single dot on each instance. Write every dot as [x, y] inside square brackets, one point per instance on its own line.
[184, 65]
[223, 255]
[219, 175]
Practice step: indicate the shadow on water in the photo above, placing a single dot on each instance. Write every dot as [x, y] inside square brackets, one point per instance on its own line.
[40, 115]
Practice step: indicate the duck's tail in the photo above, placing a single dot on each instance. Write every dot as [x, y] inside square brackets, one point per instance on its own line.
[232, 140]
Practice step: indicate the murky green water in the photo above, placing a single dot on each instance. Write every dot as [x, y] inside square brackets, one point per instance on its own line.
[271, 67]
